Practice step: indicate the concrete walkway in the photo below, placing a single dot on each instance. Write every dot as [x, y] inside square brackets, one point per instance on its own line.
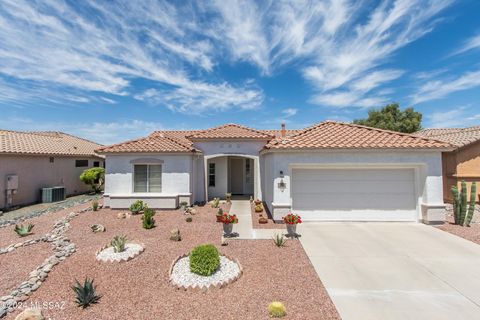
[244, 227]
[395, 270]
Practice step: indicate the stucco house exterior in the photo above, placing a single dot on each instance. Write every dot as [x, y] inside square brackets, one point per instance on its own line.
[30, 161]
[462, 163]
[331, 171]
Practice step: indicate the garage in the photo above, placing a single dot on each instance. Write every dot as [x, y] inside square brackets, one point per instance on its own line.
[355, 194]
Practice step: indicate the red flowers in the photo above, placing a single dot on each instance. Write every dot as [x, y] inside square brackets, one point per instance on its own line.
[228, 218]
[292, 219]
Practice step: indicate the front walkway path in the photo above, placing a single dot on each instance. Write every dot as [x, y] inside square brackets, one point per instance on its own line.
[244, 227]
[395, 270]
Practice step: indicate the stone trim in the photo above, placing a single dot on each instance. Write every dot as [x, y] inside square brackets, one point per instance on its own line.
[219, 285]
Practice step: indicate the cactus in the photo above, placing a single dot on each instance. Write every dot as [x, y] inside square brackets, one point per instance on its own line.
[277, 310]
[118, 243]
[461, 216]
[471, 206]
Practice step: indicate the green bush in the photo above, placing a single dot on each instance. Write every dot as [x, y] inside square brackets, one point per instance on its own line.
[204, 260]
[137, 207]
[94, 177]
[147, 219]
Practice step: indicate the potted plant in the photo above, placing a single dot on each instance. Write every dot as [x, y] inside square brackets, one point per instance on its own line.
[259, 208]
[291, 220]
[257, 202]
[219, 214]
[228, 221]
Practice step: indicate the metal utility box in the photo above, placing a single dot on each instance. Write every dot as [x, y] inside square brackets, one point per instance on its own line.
[12, 182]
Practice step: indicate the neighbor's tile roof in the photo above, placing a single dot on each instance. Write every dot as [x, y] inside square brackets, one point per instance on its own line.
[45, 143]
[457, 136]
[338, 135]
[231, 131]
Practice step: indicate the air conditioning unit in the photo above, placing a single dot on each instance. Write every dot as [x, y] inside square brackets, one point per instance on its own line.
[53, 194]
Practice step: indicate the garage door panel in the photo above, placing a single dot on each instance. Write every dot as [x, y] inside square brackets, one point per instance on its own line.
[351, 186]
[355, 194]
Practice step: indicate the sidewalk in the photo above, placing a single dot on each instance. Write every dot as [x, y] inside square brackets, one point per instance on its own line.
[244, 227]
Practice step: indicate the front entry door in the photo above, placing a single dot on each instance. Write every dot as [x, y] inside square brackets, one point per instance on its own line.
[236, 176]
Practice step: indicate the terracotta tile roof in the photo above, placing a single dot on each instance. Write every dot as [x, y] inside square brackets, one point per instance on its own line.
[338, 135]
[459, 137]
[158, 141]
[278, 133]
[230, 131]
[45, 143]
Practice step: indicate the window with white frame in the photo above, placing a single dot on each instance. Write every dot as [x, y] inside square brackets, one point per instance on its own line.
[147, 178]
[211, 174]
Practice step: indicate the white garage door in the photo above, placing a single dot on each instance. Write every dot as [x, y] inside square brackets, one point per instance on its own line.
[354, 194]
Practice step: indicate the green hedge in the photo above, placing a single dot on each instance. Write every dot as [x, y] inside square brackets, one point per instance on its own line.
[204, 260]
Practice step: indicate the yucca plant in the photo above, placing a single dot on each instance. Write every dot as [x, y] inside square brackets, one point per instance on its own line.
[86, 293]
[118, 243]
[279, 240]
[147, 219]
[23, 230]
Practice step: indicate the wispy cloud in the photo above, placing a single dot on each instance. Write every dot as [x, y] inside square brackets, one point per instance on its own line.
[289, 112]
[101, 132]
[459, 116]
[469, 44]
[437, 89]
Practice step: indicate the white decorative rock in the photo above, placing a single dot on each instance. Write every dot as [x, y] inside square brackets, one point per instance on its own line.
[107, 254]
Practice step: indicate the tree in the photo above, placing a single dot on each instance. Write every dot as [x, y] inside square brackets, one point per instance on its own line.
[94, 177]
[392, 118]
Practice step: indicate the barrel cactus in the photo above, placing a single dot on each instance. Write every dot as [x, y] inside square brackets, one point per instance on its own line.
[463, 211]
[277, 310]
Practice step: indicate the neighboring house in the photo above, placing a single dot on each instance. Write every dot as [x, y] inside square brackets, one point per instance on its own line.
[330, 171]
[463, 163]
[30, 161]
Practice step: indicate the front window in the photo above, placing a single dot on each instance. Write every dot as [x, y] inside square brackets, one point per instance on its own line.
[211, 175]
[81, 163]
[147, 178]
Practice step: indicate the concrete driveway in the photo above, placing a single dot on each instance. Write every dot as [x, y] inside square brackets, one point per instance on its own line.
[395, 270]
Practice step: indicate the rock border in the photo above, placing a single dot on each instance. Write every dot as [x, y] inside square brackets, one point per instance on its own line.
[128, 258]
[62, 248]
[219, 285]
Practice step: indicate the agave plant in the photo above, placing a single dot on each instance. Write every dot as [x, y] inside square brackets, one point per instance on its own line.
[23, 230]
[86, 293]
[118, 243]
[279, 240]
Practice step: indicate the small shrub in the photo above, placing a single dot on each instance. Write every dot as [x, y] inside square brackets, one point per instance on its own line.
[24, 230]
[86, 293]
[188, 219]
[183, 205]
[95, 205]
[279, 240]
[137, 207]
[204, 260]
[277, 310]
[118, 243]
[147, 219]
[94, 177]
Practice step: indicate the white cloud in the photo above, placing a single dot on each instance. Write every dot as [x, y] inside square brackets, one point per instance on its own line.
[437, 89]
[289, 112]
[101, 132]
[470, 44]
[459, 116]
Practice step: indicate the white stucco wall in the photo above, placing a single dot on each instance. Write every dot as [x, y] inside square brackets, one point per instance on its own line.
[427, 164]
[221, 175]
[35, 172]
[176, 172]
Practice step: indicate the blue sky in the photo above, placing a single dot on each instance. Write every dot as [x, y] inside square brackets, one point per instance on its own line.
[115, 70]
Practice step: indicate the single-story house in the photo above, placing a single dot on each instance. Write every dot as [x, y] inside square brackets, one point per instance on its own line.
[462, 163]
[30, 161]
[331, 171]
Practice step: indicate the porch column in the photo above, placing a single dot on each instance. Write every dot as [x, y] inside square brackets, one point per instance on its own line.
[205, 169]
[257, 186]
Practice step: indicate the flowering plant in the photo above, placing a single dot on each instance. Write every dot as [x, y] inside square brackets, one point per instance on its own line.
[229, 218]
[292, 219]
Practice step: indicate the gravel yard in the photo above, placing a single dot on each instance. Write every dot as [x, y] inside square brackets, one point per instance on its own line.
[140, 288]
[471, 233]
[269, 225]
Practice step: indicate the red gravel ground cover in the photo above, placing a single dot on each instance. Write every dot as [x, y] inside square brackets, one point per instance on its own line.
[139, 289]
[471, 233]
[265, 213]
[16, 265]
